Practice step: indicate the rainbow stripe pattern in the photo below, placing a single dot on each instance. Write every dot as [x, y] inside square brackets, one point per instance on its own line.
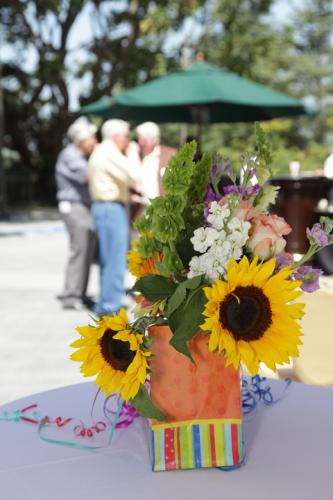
[197, 444]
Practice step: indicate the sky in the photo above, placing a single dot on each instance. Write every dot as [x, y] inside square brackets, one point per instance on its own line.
[82, 33]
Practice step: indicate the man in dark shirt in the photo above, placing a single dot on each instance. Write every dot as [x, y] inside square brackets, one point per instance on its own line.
[71, 174]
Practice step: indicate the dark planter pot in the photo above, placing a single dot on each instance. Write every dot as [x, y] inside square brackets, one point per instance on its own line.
[297, 201]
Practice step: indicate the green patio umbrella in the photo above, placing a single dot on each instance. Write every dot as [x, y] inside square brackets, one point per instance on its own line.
[200, 94]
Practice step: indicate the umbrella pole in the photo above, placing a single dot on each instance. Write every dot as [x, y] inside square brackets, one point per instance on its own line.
[199, 135]
[183, 133]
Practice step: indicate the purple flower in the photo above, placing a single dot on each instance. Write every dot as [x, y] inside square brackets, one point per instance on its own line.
[206, 213]
[309, 277]
[253, 171]
[317, 235]
[211, 195]
[253, 190]
[283, 260]
[228, 169]
[231, 189]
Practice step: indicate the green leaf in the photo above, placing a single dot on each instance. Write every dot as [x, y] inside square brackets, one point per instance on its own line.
[186, 320]
[176, 299]
[144, 405]
[155, 287]
[180, 294]
[182, 347]
[192, 316]
[193, 283]
[185, 249]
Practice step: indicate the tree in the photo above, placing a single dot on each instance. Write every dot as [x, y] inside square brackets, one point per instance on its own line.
[127, 46]
[36, 99]
[312, 70]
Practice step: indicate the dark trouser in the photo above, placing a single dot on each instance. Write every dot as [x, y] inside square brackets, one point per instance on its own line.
[82, 240]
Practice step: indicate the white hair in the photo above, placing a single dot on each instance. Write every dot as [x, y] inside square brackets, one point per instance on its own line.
[148, 129]
[110, 128]
[80, 130]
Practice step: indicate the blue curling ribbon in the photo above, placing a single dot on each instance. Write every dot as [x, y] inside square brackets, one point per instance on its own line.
[114, 421]
[253, 391]
[15, 416]
[71, 444]
[19, 415]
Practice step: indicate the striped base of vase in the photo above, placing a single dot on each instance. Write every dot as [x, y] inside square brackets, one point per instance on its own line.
[197, 444]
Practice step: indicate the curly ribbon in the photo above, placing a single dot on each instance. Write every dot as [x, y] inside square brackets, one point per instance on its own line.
[126, 415]
[21, 415]
[115, 420]
[33, 417]
[253, 392]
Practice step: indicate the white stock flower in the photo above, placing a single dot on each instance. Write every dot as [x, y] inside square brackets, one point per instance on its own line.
[213, 266]
[235, 224]
[222, 246]
[217, 215]
[203, 238]
[240, 231]
[237, 252]
[195, 267]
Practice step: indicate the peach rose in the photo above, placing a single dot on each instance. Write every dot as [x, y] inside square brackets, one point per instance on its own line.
[266, 233]
[245, 211]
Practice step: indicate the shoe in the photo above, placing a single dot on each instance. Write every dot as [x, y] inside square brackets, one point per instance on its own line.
[104, 312]
[89, 303]
[74, 304]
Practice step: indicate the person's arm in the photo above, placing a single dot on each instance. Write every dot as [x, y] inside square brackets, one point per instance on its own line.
[73, 167]
[126, 169]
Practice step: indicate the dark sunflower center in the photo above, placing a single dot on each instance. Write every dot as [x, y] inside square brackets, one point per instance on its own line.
[116, 352]
[246, 313]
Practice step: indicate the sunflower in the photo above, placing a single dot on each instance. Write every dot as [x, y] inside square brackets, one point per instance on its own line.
[139, 266]
[251, 317]
[115, 353]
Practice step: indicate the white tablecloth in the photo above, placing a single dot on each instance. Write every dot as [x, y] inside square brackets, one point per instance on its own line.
[289, 455]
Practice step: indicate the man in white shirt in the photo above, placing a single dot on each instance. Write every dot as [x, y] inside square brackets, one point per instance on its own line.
[114, 168]
[154, 159]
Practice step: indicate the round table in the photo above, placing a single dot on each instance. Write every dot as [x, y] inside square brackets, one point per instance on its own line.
[288, 454]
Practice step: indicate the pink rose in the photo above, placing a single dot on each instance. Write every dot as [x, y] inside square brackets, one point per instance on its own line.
[245, 211]
[266, 236]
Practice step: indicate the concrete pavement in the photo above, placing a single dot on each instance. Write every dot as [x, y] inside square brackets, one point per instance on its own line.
[35, 332]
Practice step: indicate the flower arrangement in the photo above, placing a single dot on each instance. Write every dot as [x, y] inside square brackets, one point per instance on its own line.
[210, 261]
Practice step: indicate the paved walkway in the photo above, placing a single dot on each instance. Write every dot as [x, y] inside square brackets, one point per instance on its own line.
[35, 332]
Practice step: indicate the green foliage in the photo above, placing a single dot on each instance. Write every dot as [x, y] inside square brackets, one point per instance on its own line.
[144, 405]
[179, 294]
[174, 215]
[155, 287]
[265, 157]
[186, 319]
[176, 180]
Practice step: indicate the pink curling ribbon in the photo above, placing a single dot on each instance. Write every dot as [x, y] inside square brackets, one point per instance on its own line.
[126, 415]
[81, 430]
